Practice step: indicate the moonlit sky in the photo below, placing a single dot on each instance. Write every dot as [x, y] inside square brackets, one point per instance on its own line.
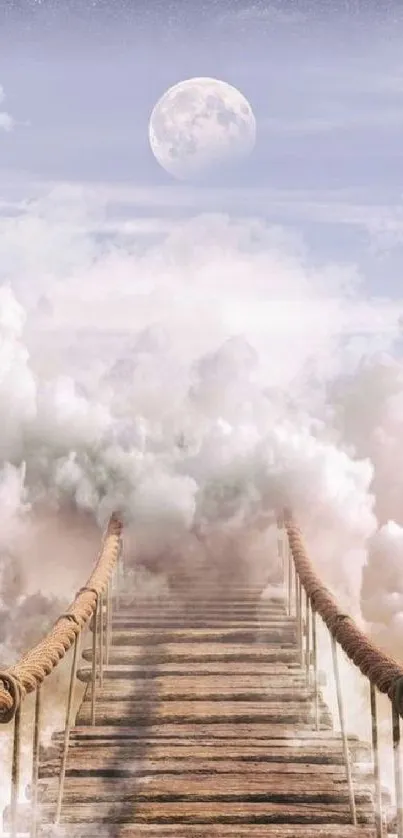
[325, 81]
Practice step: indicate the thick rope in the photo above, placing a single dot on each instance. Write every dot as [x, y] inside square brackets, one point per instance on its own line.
[25, 676]
[381, 670]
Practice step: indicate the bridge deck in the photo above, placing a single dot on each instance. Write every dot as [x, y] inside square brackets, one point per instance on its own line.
[205, 728]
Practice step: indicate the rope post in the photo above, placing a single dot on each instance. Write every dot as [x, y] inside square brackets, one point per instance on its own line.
[290, 574]
[35, 759]
[67, 729]
[119, 575]
[375, 757]
[397, 762]
[94, 661]
[15, 772]
[280, 552]
[343, 731]
[315, 667]
[307, 639]
[108, 621]
[298, 607]
[101, 639]
[301, 621]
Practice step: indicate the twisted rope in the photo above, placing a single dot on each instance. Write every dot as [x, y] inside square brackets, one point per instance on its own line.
[25, 676]
[382, 671]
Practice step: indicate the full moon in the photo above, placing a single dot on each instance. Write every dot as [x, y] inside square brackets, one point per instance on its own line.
[200, 126]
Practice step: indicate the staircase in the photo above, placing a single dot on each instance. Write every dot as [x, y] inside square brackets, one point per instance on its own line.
[205, 728]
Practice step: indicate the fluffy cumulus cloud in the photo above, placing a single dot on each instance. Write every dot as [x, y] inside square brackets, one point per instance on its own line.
[6, 120]
[195, 382]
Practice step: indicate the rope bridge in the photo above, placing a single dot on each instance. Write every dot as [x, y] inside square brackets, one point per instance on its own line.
[202, 714]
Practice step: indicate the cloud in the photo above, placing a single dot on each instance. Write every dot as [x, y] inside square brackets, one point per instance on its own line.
[134, 210]
[6, 120]
[185, 381]
[133, 267]
[126, 218]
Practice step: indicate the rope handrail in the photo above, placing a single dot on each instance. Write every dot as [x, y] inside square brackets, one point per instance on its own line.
[383, 671]
[32, 669]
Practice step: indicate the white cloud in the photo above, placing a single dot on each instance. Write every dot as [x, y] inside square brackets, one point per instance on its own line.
[207, 296]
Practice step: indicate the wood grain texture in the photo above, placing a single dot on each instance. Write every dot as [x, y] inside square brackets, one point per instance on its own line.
[205, 728]
[217, 831]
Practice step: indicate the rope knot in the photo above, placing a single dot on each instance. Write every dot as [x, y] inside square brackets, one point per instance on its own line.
[69, 616]
[13, 688]
[87, 590]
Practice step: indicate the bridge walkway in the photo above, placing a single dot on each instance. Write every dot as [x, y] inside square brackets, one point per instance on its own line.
[206, 726]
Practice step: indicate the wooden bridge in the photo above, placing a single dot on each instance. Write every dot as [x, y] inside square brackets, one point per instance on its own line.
[201, 718]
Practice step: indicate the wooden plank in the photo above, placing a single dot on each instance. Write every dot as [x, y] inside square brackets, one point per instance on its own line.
[201, 652]
[182, 712]
[205, 687]
[275, 788]
[207, 616]
[212, 830]
[203, 596]
[256, 616]
[195, 606]
[203, 621]
[289, 670]
[273, 634]
[292, 755]
[118, 762]
[194, 610]
[295, 755]
[208, 812]
[264, 735]
[192, 607]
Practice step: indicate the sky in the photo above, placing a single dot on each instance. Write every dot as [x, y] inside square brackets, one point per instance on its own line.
[325, 81]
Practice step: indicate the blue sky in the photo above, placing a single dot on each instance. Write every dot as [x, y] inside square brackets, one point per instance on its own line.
[325, 81]
[327, 96]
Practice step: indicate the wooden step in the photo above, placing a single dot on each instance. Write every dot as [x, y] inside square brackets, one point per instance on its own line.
[119, 743]
[240, 596]
[206, 687]
[202, 611]
[252, 830]
[196, 620]
[207, 812]
[273, 788]
[124, 762]
[205, 728]
[258, 733]
[192, 615]
[183, 712]
[201, 652]
[276, 634]
[207, 608]
[289, 670]
[127, 598]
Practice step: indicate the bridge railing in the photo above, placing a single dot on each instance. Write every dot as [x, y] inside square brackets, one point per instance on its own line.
[308, 597]
[91, 609]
